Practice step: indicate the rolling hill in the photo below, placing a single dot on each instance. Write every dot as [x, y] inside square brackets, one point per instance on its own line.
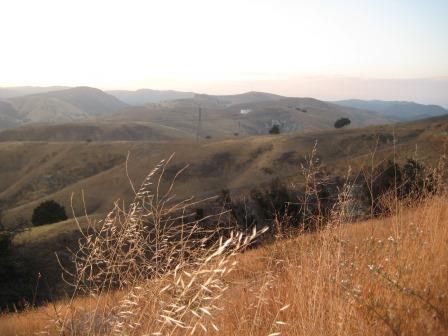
[31, 172]
[396, 110]
[88, 177]
[222, 116]
[11, 92]
[93, 131]
[145, 96]
[8, 116]
[252, 113]
[61, 106]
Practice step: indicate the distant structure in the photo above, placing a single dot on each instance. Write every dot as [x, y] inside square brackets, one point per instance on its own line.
[198, 129]
[245, 111]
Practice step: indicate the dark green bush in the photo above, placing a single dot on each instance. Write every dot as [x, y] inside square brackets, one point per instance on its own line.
[48, 212]
[275, 129]
[342, 122]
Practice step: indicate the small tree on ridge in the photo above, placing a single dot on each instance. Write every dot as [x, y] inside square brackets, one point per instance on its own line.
[341, 122]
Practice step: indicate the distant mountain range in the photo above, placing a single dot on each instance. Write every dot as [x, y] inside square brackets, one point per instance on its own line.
[61, 105]
[145, 96]
[11, 92]
[250, 113]
[396, 110]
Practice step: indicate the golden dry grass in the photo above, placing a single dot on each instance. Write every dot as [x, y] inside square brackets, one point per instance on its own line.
[31, 172]
[379, 277]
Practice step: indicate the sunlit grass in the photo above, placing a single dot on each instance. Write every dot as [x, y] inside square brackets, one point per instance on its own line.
[384, 276]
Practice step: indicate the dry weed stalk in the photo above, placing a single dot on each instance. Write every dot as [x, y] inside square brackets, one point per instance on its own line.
[153, 269]
[163, 266]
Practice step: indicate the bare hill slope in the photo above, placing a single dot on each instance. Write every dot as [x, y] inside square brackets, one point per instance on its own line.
[252, 113]
[145, 96]
[31, 172]
[93, 131]
[62, 105]
[396, 110]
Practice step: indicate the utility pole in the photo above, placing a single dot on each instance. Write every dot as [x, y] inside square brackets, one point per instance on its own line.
[199, 123]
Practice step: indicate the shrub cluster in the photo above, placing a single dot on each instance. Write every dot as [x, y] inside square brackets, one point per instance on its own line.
[283, 207]
[412, 180]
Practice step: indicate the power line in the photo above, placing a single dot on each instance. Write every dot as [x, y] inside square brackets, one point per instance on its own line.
[199, 122]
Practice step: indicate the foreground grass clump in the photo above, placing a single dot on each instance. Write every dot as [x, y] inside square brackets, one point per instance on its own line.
[380, 277]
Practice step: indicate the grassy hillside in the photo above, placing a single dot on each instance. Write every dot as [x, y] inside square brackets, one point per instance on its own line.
[95, 174]
[31, 172]
[93, 131]
[63, 105]
[91, 100]
[145, 96]
[396, 110]
[251, 113]
[380, 277]
[8, 116]
[10, 92]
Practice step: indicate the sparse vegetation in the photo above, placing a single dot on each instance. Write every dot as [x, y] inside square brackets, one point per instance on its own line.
[310, 203]
[392, 181]
[155, 269]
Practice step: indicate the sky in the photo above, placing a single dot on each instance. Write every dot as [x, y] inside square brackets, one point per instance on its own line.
[370, 49]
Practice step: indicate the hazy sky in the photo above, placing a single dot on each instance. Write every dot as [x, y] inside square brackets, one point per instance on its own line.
[328, 49]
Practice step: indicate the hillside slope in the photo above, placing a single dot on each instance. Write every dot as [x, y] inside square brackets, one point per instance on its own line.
[8, 116]
[63, 105]
[31, 172]
[252, 113]
[396, 110]
[379, 277]
[145, 96]
[10, 92]
[93, 131]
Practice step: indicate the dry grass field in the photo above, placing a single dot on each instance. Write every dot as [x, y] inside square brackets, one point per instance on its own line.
[386, 276]
[223, 168]
[31, 172]
[382, 276]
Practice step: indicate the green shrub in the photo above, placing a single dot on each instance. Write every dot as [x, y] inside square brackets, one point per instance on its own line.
[275, 129]
[48, 212]
[342, 122]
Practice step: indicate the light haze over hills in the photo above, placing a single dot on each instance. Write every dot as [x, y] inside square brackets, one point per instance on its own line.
[329, 50]
[144, 111]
